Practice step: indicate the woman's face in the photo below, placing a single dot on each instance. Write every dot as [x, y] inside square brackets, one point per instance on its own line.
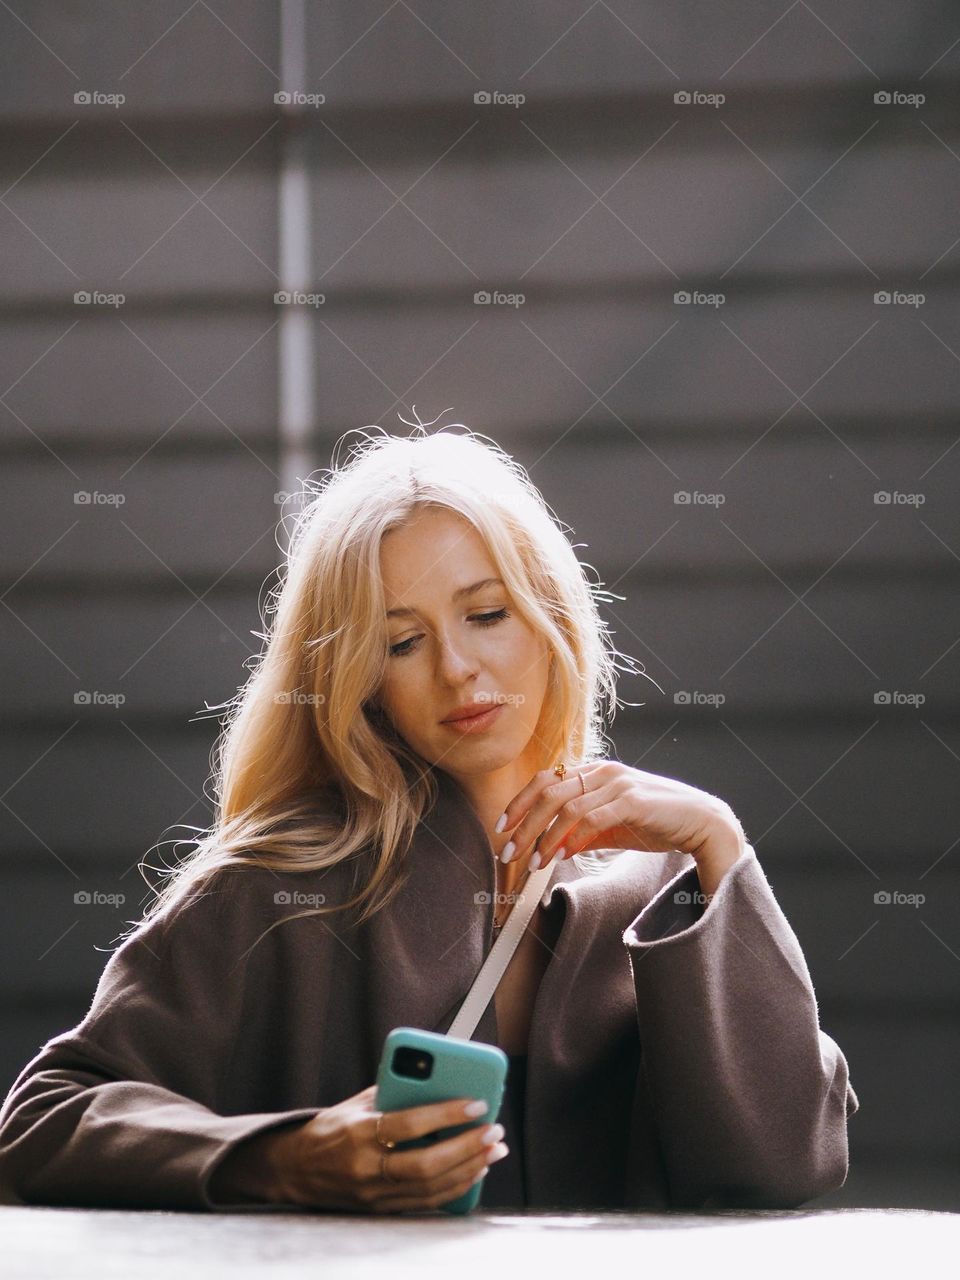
[449, 652]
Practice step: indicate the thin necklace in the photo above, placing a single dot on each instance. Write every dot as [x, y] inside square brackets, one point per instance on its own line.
[519, 889]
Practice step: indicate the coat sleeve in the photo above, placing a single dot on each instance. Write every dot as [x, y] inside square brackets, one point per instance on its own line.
[751, 1098]
[122, 1110]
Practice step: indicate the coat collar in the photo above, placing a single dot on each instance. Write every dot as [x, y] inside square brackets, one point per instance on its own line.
[453, 799]
[426, 947]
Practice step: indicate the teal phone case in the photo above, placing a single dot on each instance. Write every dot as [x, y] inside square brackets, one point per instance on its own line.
[443, 1067]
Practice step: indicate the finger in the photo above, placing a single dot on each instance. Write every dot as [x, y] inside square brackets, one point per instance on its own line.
[424, 1164]
[569, 823]
[543, 809]
[417, 1122]
[405, 1202]
[444, 1185]
[579, 830]
[433, 1192]
[521, 802]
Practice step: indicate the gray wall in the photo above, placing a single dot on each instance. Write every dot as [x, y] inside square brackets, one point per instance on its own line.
[799, 598]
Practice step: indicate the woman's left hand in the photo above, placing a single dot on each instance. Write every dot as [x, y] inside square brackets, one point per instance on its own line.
[623, 808]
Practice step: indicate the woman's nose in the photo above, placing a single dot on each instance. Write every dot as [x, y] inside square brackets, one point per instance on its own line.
[455, 661]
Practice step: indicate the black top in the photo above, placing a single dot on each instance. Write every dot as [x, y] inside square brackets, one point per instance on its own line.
[505, 1183]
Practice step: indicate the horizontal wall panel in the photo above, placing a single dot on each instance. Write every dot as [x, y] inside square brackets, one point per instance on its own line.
[148, 520]
[870, 790]
[794, 498]
[896, 1067]
[696, 200]
[515, 200]
[566, 49]
[96, 374]
[866, 956]
[177, 61]
[92, 788]
[171, 58]
[658, 366]
[843, 646]
[128, 659]
[141, 216]
[660, 363]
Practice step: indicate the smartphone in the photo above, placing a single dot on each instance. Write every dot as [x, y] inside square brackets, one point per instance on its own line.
[418, 1068]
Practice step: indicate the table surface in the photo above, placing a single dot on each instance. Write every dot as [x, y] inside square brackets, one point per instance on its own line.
[71, 1244]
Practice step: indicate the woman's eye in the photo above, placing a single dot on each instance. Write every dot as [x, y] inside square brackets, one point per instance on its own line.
[482, 619]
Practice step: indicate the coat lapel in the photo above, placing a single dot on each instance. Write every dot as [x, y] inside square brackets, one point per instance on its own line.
[426, 947]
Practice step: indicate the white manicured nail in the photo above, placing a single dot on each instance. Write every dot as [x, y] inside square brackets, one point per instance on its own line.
[508, 851]
[501, 822]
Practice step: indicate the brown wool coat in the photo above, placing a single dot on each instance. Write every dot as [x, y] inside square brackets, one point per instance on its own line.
[675, 1056]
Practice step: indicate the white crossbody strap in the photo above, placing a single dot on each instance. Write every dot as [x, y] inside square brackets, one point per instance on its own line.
[494, 967]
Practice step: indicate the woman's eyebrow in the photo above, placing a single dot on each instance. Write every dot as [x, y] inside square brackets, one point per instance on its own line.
[457, 595]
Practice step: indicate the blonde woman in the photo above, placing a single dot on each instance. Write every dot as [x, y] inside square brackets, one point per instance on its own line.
[423, 728]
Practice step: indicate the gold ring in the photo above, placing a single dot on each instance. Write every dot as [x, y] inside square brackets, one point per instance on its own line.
[560, 769]
[387, 1143]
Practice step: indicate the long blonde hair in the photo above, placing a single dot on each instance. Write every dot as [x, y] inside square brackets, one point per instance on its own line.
[307, 770]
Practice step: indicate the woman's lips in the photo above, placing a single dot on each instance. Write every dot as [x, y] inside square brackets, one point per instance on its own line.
[477, 723]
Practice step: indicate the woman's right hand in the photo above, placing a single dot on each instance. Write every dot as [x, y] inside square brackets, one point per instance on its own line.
[332, 1161]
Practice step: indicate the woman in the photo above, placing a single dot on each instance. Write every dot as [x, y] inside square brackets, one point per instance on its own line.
[394, 768]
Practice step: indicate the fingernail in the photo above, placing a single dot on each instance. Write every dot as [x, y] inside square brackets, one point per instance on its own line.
[477, 1108]
[501, 822]
[493, 1134]
[498, 1152]
[508, 851]
[561, 851]
[534, 861]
